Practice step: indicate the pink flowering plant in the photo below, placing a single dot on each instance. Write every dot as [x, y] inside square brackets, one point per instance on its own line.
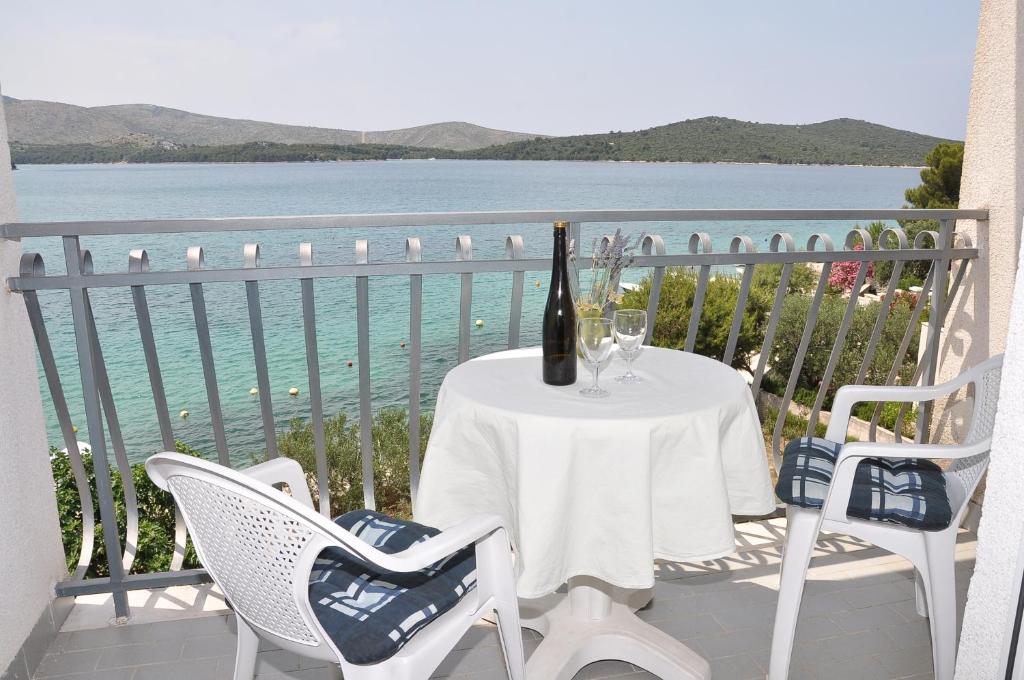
[844, 274]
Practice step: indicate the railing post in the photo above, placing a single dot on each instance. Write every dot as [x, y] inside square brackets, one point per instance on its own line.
[464, 253]
[414, 253]
[936, 320]
[514, 251]
[251, 256]
[741, 297]
[365, 402]
[94, 420]
[699, 242]
[195, 261]
[316, 405]
[653, 242]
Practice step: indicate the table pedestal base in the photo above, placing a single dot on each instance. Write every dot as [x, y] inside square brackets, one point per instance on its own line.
[595, 621]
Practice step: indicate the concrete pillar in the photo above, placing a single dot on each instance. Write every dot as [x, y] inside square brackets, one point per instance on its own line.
[31, 555]
[993, 178]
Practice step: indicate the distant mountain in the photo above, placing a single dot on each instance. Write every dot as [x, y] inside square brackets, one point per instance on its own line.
[842, 141]
[32, 122]
[251, 152]
[49, 132]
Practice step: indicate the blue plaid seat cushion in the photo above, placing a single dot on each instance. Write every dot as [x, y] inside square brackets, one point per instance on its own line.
[371, 614]
[907, 491]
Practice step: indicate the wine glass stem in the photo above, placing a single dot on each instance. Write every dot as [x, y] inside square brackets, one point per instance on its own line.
[629, 364]
[595, 369]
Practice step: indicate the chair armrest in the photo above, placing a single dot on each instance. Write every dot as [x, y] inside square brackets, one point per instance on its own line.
[283, 471]
[448, 542]
[841, 487]
[848, 395]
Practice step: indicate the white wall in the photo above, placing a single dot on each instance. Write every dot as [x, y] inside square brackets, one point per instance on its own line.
[989, 318]
[31, 556]
[990, 597]
[993, 178]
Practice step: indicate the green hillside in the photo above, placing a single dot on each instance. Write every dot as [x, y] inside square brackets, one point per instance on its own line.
[836, 142]
[842, 141]
[255, 152]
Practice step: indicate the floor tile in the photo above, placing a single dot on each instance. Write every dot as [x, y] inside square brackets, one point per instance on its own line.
[857, 621]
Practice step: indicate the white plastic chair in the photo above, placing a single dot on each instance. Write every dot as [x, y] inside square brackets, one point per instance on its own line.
[931, 552]
[275, 540]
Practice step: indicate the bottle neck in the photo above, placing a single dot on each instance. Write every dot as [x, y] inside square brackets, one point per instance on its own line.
[561, 250]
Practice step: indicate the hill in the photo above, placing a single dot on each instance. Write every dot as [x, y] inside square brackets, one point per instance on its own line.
[42, 122]
[251, 152]
[50, 132]
[843, 141]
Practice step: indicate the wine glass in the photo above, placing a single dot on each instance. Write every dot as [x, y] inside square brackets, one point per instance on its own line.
[630, 329]
[595, 341]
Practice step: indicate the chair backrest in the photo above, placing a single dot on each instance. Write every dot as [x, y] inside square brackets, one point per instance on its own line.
[250, 541]
[985, 377]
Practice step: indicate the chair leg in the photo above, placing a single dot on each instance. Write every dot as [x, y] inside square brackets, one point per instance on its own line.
[245, 657]
[940, 583]
[511, 636]
[920, 596]
[494, 574]
[801, 535]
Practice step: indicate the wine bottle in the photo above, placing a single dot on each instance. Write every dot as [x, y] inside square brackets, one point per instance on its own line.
[559, 327]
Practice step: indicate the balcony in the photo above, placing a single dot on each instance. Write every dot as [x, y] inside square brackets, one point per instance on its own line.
[860, 599]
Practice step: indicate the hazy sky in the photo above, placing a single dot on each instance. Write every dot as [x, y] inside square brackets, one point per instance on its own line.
[556, 67]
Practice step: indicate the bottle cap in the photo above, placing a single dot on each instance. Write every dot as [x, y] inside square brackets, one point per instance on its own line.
[561, 225]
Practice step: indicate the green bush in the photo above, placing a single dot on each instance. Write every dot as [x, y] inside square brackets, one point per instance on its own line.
[676, 302]
[826, 329]
[156, 507]
[344, 464]
[887, 418]
[156, 517]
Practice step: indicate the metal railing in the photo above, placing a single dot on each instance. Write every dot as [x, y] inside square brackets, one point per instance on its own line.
[949, 254]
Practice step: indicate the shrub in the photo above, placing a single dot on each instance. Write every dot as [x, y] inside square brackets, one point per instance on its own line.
[826, 330]
[676, 302]
[887, 418]
[344, 464]
[156, 507]
[843, 275]
[156, 517]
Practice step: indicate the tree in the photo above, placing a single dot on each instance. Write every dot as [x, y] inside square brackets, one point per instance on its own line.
[939, 188]
[940, 179]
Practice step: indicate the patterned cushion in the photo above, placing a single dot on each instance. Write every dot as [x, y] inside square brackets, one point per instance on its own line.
[906, 491]
[371, 614]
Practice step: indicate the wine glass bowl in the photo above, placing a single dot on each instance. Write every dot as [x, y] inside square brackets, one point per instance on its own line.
[630, 328]
[595, 338]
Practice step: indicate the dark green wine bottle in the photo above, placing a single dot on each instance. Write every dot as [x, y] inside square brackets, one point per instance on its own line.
[559, 329]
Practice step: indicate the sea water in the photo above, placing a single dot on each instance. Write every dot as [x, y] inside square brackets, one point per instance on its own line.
[117, 192]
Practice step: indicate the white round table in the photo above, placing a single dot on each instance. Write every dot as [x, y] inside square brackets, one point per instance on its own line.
[594, 490]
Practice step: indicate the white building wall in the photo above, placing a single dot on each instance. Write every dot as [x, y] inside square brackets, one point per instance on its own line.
[993, 178]
[31, 556]
[989, 319]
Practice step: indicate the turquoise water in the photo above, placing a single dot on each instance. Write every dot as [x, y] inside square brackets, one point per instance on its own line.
[207, 190]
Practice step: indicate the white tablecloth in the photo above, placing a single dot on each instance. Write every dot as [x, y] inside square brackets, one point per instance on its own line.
[597, 487]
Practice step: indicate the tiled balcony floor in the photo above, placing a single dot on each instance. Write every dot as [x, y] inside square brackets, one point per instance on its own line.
[857, 621]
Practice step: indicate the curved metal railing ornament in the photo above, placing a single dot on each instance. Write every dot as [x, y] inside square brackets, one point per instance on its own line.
[653, 244]
[32, 267]
[747, 244]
